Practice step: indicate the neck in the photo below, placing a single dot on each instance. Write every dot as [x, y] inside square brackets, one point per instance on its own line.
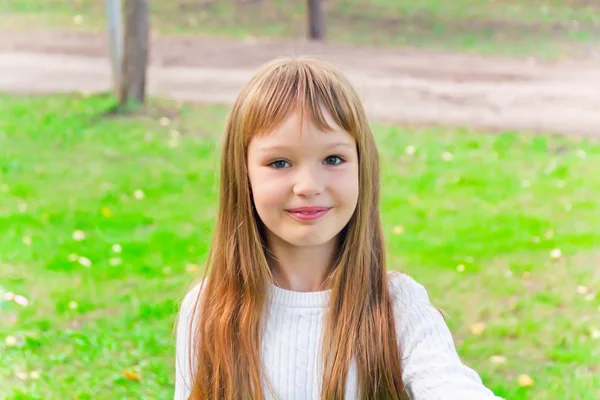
[301, 269]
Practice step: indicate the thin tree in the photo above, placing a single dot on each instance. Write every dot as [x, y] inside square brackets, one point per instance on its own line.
[316, 20]
[135, 54]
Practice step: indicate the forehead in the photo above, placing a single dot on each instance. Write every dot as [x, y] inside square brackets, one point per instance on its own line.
[297, 131]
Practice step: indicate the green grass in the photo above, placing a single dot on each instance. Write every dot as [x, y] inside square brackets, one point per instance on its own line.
[500, 203]
[545, 28]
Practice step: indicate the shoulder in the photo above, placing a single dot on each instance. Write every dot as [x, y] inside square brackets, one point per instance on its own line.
[191, 300]
[406, 292]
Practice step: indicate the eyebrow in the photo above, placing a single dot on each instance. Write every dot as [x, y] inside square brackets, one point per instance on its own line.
[329, 146]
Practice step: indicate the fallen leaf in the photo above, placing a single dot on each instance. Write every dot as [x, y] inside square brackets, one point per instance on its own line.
[132, 376]
[525, 380]
[191, 268]
[477, 328]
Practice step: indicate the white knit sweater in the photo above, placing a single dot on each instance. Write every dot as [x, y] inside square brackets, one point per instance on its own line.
[293, 332]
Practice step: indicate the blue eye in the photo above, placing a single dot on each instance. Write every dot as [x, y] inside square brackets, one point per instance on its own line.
[279, 164]
[333, 160]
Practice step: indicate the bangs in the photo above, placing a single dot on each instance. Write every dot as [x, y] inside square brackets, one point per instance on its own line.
[307, 86]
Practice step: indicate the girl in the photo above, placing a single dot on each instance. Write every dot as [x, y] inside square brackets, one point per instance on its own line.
[298, 303]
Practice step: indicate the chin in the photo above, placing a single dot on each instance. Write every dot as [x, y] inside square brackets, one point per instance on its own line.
[308, 240]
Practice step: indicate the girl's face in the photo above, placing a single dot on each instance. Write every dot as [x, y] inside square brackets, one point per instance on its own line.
[304, 182]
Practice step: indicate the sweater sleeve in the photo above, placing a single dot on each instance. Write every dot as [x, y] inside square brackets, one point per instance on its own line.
[185, 328]
[432, 369]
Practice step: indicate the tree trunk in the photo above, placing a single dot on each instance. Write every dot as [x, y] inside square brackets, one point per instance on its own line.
[316, 20]
[135, 57]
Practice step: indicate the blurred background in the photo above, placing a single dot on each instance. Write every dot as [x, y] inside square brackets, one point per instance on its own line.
[487, 116]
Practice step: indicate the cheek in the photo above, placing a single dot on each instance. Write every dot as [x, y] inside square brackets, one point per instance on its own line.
[346, 189]
[267, 193]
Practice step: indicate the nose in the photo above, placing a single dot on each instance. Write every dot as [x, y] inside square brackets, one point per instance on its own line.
[308, 182]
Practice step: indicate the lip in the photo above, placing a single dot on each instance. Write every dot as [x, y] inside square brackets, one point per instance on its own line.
[308, 213]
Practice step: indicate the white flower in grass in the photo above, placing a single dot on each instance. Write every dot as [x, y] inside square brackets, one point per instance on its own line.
[27, 240]
[497, 359]
[115, 262]
[582, 289]
[460, 268]
[173, 142]
[398, 230]
[8, 296]
[581, 154]
[22, 301]
[21, 375]
[410, 150]
[590, 296]
[78, 235]
[116, 248]
[34, 375]
[447, 156]
[73, 305]
[595, 334]
[10, 341]
[138, 194]
[555, 254]
[85, 262]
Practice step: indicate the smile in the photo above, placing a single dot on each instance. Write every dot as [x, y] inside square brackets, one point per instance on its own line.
[308, 213]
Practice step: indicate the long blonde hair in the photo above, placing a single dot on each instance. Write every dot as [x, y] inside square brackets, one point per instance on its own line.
[226, 356]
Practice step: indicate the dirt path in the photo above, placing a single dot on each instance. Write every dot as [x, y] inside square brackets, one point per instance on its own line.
[397, 86]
